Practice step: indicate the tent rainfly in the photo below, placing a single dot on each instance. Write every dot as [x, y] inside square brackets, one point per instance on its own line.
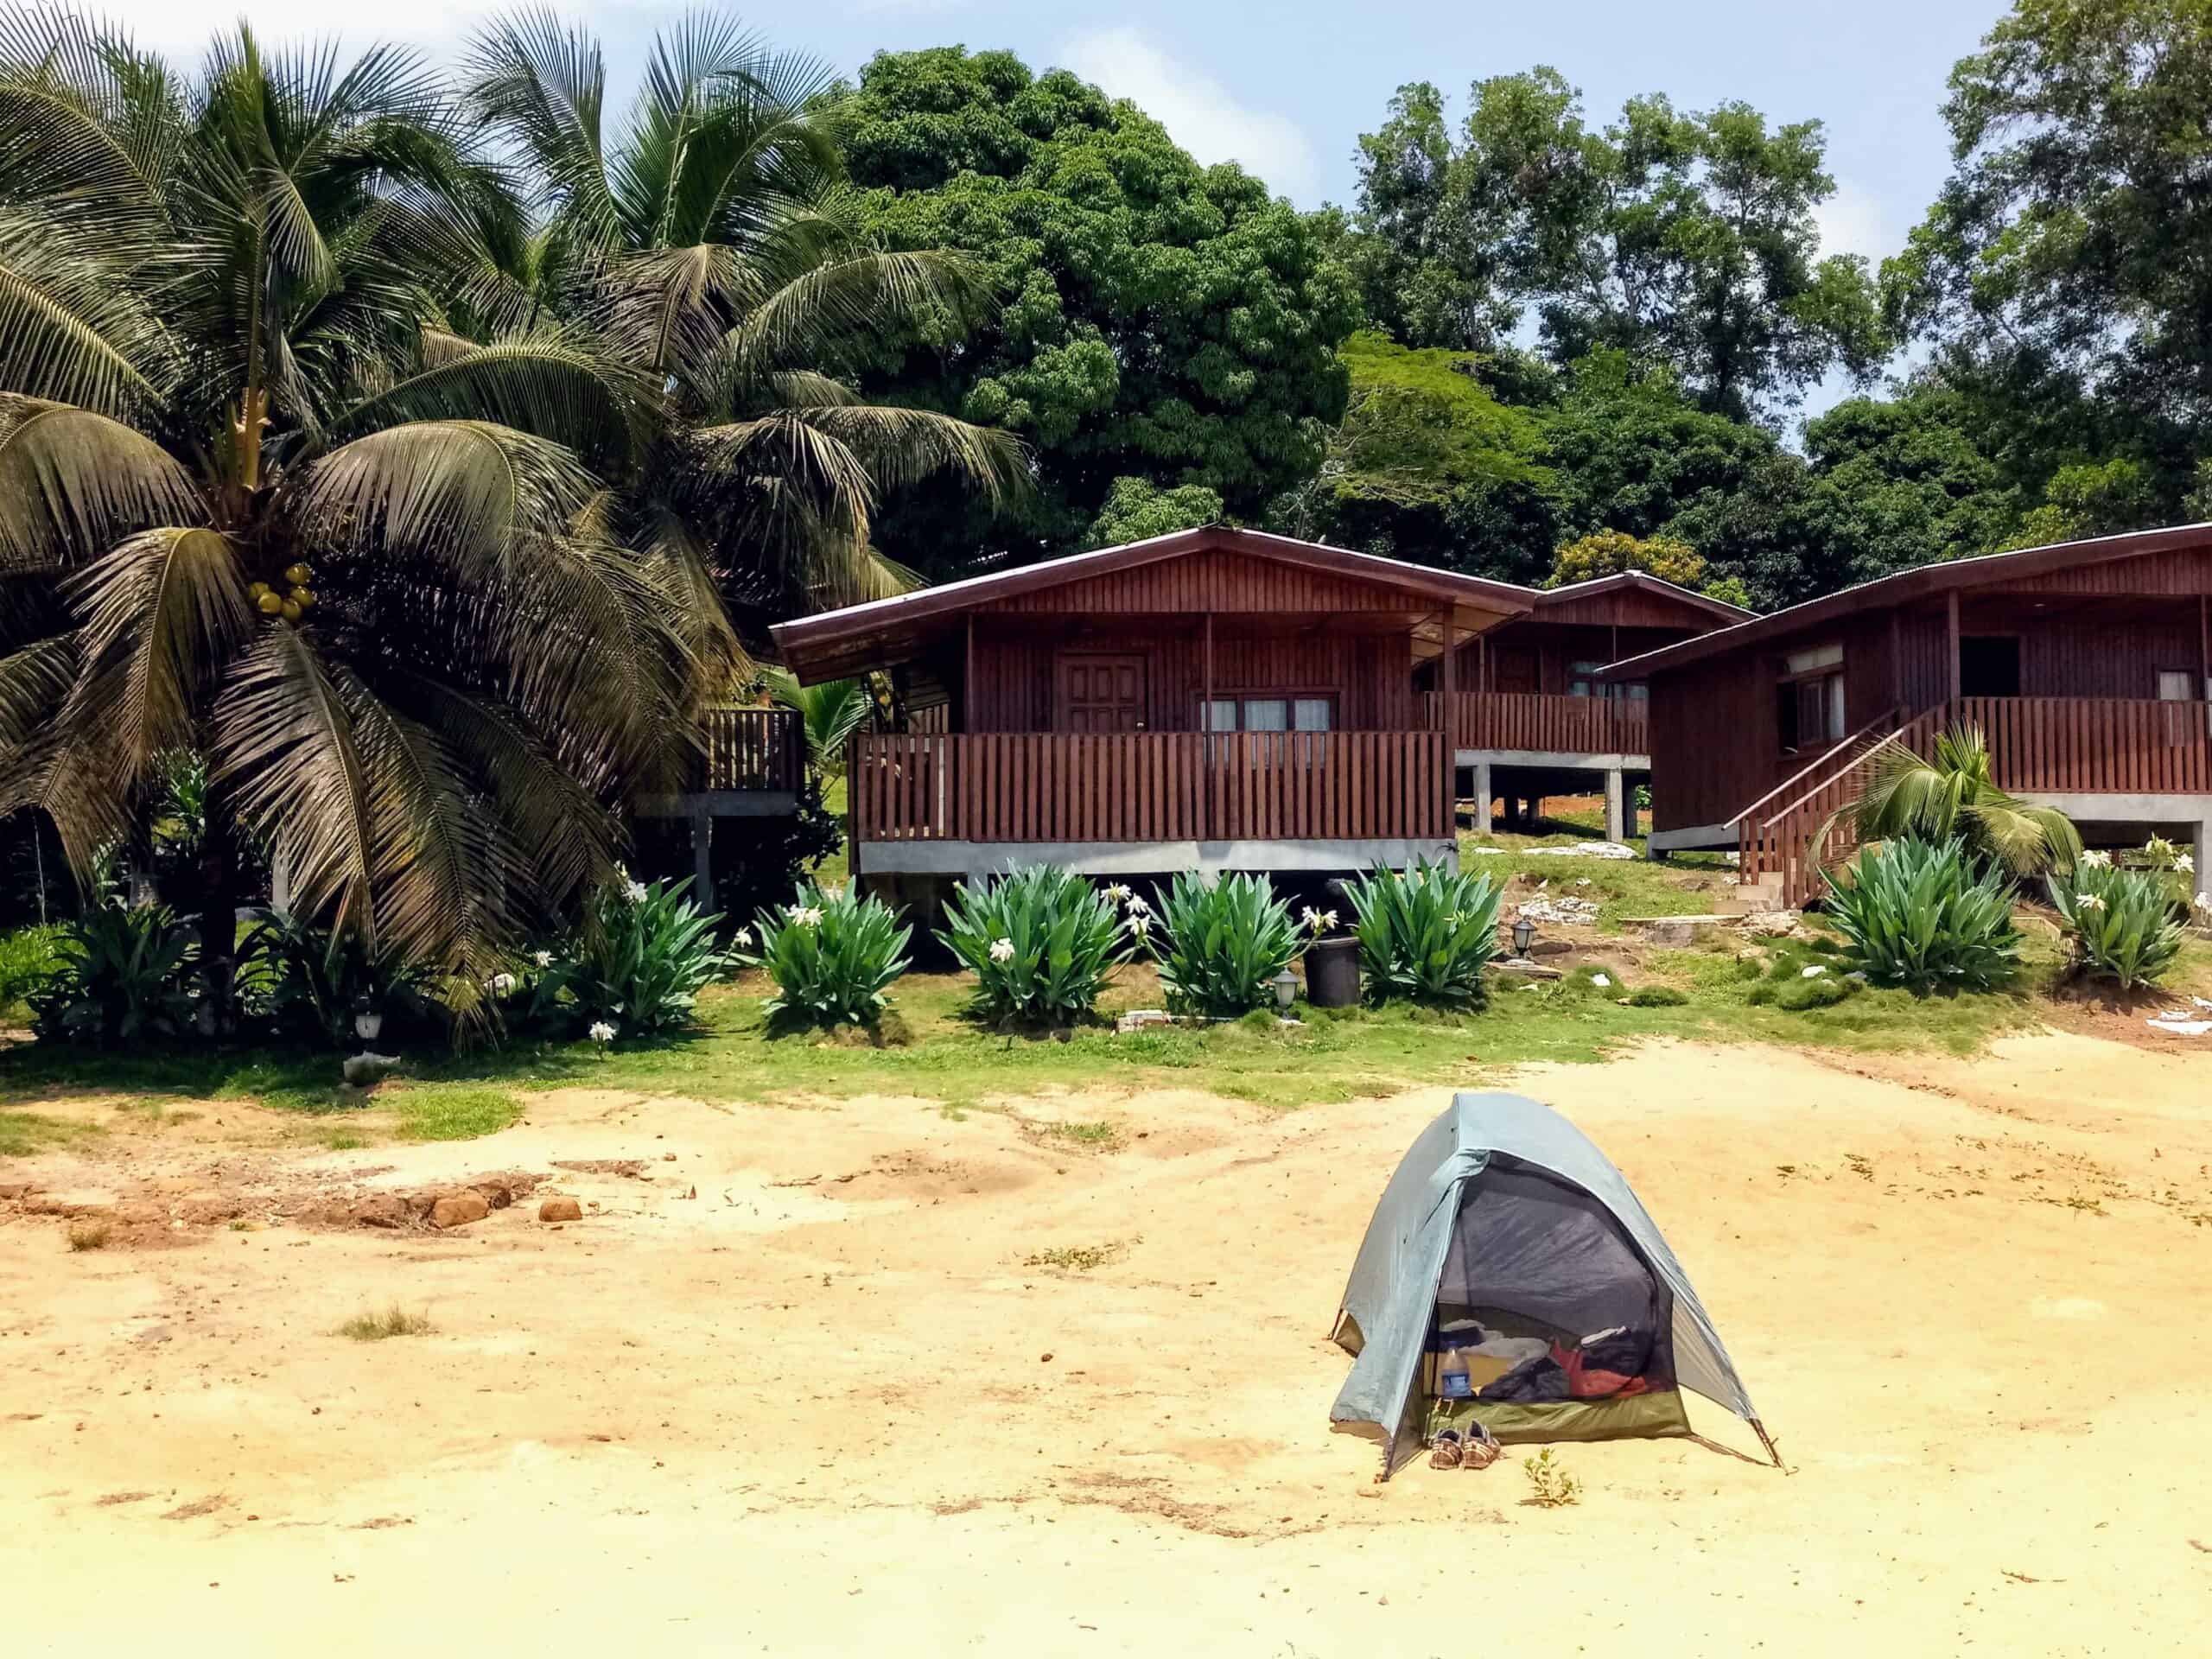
[1510, 1276]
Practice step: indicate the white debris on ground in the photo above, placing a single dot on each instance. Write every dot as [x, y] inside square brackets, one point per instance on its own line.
[2179, 1022]
[1582, 849]
[1567, 909]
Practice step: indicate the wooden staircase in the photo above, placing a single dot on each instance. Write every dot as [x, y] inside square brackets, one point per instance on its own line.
[1780, 851]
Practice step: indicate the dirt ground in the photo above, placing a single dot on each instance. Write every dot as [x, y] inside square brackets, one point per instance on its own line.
[803, 1382]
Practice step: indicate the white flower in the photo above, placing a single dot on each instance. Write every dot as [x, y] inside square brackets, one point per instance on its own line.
[1118, 892]
[1138, 907]
[635, 892]
[2204, 902]
[1600, 981]
[1139, 926]
[834, 891]
[2185, 863]
[2088, 901]
[2096, 861]
[810, 916]
[543, 958]
[501, 984]
[601, 1032]
[1319, 921]
[743, 937]
[1001, 950]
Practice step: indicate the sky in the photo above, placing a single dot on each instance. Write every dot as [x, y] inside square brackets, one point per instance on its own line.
[1286, 88]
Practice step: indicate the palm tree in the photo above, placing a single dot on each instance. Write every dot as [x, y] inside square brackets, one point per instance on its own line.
[1955, 794]
[829, 713]
[260, 503]
[709, 240]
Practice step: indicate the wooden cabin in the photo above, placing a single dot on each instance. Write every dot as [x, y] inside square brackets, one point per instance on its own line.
[2088, 667]
[1216, 699]
[1533, 716]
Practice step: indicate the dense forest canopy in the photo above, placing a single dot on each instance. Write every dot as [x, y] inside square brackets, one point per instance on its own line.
[1537, 323]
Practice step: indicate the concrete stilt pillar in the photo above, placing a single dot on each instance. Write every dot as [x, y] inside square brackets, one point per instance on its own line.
[1482, 798]
[2203, 882]
[1616, 807]
[702, 862]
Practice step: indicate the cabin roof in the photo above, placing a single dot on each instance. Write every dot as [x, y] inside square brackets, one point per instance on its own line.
[1642, 582]
[882, 630]
[1903, 587]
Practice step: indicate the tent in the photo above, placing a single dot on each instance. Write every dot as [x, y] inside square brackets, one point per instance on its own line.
[1510, 1275]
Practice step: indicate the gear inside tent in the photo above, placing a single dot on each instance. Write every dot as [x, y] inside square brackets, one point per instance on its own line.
[1510, 1277]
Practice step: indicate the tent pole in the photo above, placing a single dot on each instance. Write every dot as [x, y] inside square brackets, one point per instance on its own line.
[1759, 1430]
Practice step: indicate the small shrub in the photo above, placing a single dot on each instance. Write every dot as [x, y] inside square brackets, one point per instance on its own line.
[2122, 925]
[1549, 1483]
[1797, 995]
[1921, 915]
[393, 1321]
[1426, 935]
[1225, 942]
[306, 982]
[125, 973]
[833, 955]
[639, 964]
[85, 1234]
[1042, 942]
[1656, 996]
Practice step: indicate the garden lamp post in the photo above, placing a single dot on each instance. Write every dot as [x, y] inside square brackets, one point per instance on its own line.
[1524, 935]
[367, 1023]
[1286, 988]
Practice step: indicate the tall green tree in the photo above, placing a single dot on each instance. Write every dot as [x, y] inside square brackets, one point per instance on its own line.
[1687, 237]
[258, 504]
[710, 240]
[1160, 320]
[2063, 276]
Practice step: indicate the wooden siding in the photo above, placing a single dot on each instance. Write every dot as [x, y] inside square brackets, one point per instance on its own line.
[1150, 786]
[1222, 582]
[1370, 675]
[1631, 608]
[752, 748]
[2171, 571]
[1556, 647]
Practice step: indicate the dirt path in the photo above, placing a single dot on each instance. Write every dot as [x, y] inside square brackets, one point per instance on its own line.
[805, 1382]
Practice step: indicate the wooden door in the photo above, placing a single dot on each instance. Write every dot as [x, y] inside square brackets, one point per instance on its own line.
[1101, 694]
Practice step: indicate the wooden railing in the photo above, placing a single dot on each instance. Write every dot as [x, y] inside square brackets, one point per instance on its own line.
[1149, 786]
[2091, 745]
[2037, 745]
[754, 748]
[1541, 720]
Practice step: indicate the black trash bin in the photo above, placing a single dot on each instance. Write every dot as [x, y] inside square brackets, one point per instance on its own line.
[1332, 973]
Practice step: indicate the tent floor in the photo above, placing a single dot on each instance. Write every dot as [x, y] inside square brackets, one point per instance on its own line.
[1624, 1417]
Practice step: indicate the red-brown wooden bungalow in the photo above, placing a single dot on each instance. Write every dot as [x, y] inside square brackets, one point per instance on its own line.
[1215, 699]
[1534, 719]
[2088, 666]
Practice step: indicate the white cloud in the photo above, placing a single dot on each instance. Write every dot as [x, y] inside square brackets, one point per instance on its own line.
[1197, 110]
[1852, 221]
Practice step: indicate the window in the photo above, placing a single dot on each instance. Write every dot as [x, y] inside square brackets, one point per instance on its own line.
[1581, 681]
[2177, 685]
[1809, 702]
[1272, 715]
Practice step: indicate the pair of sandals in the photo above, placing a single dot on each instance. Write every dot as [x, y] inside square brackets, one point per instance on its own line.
[1477, 1449]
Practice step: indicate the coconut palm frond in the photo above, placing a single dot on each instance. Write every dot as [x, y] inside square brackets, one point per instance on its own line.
[1954, 793]
[33, 683]
[83, 120]
[816, 316]
[543, 86]
[157, 610]
[71, 329]
[72, 481]
[830, 713]
[685, 571]
[551, 384]
[284, 750]
[79, 794]
[2027, 840]
[468, 492]
[666, 309]
[902, 446]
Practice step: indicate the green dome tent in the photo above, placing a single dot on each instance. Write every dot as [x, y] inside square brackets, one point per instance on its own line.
[1509, 1276]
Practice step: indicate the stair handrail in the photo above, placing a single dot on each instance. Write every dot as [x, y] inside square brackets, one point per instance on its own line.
[1934, 711]
[1895, 712]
